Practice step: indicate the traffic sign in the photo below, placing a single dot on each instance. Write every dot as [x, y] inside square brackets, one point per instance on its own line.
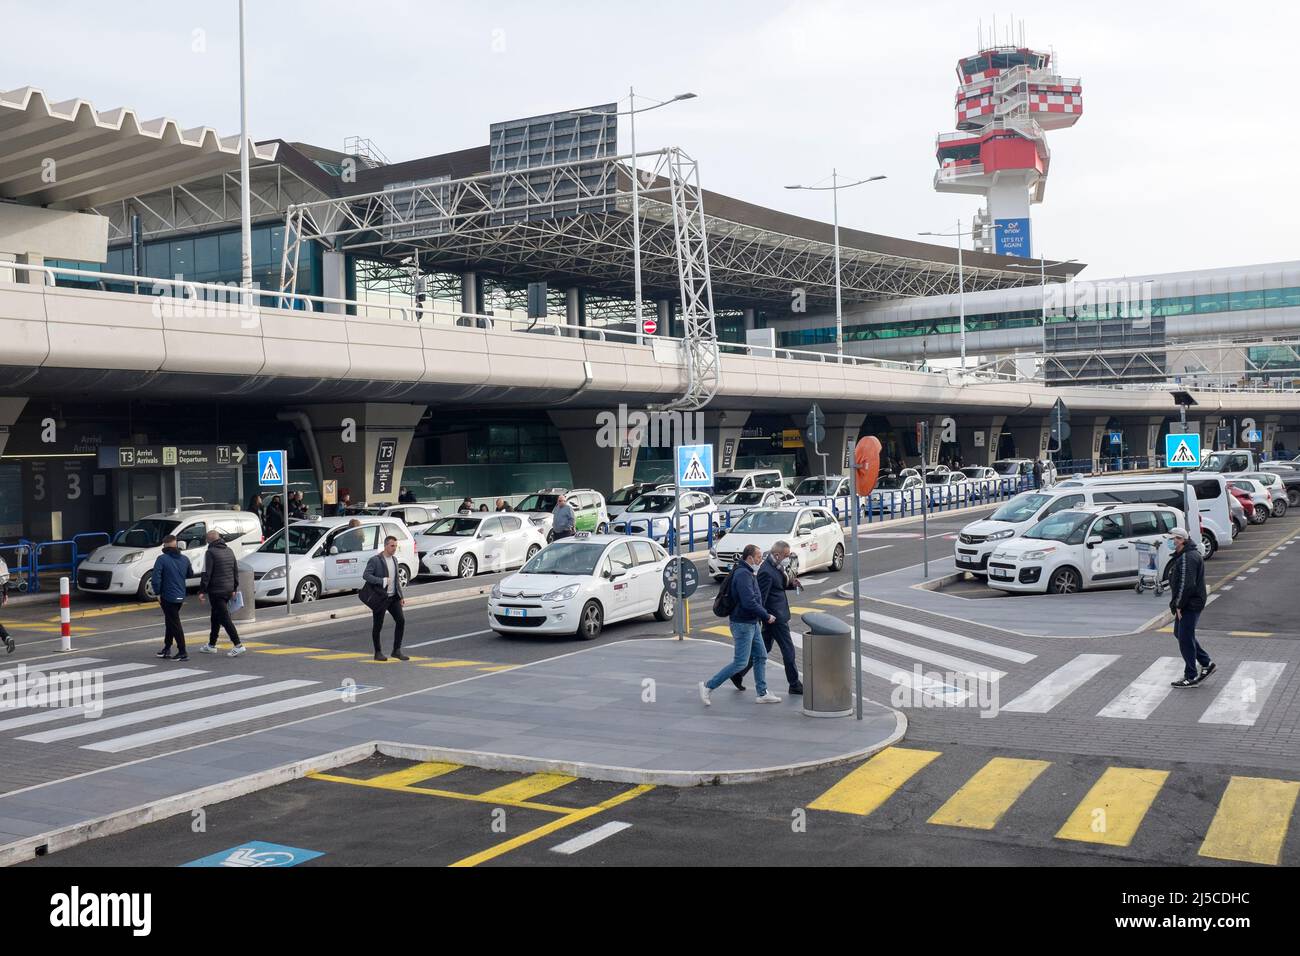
[257, 854]
[1183, 451]
[649, 326]
[271, 468]
[695, 466]
[1254, 435]
[690, 577]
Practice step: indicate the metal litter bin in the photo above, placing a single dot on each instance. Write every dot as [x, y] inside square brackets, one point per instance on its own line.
[827, 666]
[248, 613]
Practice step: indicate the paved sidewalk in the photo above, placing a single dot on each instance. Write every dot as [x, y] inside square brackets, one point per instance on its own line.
[627, 711]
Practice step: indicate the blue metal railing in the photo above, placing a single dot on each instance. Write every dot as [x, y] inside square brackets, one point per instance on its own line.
[27, 566]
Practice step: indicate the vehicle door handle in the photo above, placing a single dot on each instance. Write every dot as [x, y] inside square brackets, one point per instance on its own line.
[1122, 547]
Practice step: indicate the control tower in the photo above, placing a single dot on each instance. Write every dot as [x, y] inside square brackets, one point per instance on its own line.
[1008, 97]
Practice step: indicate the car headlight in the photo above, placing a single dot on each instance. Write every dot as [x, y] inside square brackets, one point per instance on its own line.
[130, 558]
[495, 593]
[1000, 535]
[445, 551]
[1037, 555]
[274, 574]
[713, 553]
[562, 594]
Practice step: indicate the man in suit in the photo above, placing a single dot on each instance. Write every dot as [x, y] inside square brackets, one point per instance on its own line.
[385, 597]
[771, 587]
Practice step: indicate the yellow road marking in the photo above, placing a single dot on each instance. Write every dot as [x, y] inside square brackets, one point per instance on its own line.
[1251, 822]
[985, 797]
[802, 610]
[1251, 633]
[534, 785]
[499, 667]
[280, 651]
[402, 779]
[451, 664]
[449, 794]
[343, 656]
[1114, 807]
[723, 631]
[870, 785]
[391, 660]
[833, 602]
[573, 817]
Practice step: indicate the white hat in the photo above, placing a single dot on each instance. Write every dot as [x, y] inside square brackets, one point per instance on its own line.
[1180, 532]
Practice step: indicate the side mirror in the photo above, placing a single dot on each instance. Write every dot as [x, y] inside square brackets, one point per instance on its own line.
[334, 549]
[805, 532]
[1094, 539]
[180, 545]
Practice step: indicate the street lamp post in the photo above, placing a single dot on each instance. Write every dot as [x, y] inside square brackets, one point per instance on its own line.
[245, 213]
[961, 281]
[835, 188]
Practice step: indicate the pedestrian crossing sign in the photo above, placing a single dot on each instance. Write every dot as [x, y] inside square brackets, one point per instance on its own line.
[270, 468]
[695, 466]
[1183, 451]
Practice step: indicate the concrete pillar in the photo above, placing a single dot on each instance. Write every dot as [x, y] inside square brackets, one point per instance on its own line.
[979, 439]
[1088, 437]
[601, 454]
[1142, 438]
[470, 298]
[841, 435]
[10, 409]
[572, 310]
[334, 280]
[722, 430]
[364, 445]
[1269, 429]
[1032, 436]
[750, 320]
[665, 319]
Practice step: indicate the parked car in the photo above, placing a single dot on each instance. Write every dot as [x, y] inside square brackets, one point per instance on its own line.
[1277, 491]
[1242, 508]
[326, 556]
[820, 489]
[1259, 496]
[617, 503]
[651, 516]
[579, 585]
[1024, 468]
[125, 566]
[466, 545]
[409, 515]
[725, 482]
[1084, 548]
[736, 504]
[589, 511]
[815, 537]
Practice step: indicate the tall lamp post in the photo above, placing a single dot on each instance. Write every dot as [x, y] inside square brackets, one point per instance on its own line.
[834, 189]
[636, 188]
[245, 213]
[961, 282]
[1042, 277]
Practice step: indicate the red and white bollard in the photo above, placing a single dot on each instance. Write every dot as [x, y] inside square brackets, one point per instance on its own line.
[65, 614]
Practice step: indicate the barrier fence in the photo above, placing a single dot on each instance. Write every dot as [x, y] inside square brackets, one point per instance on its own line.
[31, 559]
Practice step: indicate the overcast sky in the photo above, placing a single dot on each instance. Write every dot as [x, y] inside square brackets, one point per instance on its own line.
[1186, 155]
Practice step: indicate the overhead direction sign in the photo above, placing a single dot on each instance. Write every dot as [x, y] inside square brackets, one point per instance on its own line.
[695, 466]
[1183, 451]
[270, 468]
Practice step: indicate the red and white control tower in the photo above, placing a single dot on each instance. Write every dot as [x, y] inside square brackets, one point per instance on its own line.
[1007, 98]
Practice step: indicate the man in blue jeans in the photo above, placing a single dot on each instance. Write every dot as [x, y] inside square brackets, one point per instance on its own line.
[747, 615]
[1187, 601]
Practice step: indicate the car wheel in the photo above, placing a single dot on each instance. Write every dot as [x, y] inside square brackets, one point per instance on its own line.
[532, 552]
[1260, 515]
[147, 593]
[1293, 497]
[602, 528]
[1064, 581]
[591, 621]
[667, 606]
[1208, 544]
[308, 590]
[1279, 509]
[1236, 529]
[837, 559]
[403, 577]
[468, 567]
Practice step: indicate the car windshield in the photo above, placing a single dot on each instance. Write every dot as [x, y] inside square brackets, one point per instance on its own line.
[147, 533]
[302, 538]
[459, 527]
[539, 503]
[1066, 526]
[889, 483]
[940, 479]
[765, 522]
[724, 484]
[743, 498]
[1264, 479]
[1007, 467]
[1020, 508]
[821, 487]
[972, 472]
[652, 504]
[566, 557]
[624, 495]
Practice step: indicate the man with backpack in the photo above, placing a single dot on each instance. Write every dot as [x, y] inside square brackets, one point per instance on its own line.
[741, 602]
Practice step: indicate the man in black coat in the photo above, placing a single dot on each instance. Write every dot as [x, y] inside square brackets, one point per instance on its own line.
[383, 595]
[1187, 601]
[771, 586]
[219, 583]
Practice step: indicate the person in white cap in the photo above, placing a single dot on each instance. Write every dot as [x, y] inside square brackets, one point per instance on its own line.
[1187, 601]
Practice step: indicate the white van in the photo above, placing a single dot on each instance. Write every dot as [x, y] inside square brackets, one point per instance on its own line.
[1214, 515]
[125, 566]
[980, 538]
[753, 479]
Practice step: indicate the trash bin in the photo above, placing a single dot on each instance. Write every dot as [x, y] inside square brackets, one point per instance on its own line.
[248, 613]
[827, 666]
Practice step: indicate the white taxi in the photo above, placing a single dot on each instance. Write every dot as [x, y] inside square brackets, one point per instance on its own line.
[578, 585]
[466, 545]
[326, 555]
[651, 516]
[816, 539]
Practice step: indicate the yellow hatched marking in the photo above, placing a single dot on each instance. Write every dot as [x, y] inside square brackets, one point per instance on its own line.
[870, 785]
[985, 797]
[499, 667]
[452, 664]
[283, 651]
[1115, 807]
[802, 610]
[412, 659]
[534, 785]
[401, 779]
[833, 602]
[1251, 822]
[449, 794]
[344, 656]
[723, 631]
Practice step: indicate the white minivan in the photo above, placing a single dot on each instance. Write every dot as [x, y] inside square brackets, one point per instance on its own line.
[1211, 491]
[326, 556]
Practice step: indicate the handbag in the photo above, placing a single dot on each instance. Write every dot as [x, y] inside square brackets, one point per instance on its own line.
[375, 598]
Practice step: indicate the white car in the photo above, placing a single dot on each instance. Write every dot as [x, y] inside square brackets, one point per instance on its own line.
[589, 510]
[821, 489]
[1259, 497]
[651, 516]
[815, 537]
[409, 515]
[578, 585]
[736, 504]
[125, 567]
[1276, 489]
[326, 555]
[979, 539]
[1084, 548]
[980, 473]
[725, 482]
[1023, 468]
[465, 545]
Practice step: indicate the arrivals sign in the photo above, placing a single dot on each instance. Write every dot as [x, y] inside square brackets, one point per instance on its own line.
[1012, 237]
[171, 456]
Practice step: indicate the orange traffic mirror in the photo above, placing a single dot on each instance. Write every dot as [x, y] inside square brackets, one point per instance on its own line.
[866, 459]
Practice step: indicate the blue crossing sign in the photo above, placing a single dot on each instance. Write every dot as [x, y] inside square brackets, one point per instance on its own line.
[695, 466]
[1183, 451]
[271, 468]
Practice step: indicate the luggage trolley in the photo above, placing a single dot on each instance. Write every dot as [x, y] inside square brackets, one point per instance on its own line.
[1148, 558]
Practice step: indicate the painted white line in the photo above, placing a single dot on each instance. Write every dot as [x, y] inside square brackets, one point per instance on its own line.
[52, 665]
[1139, 699]
[947, 637]
[191, 727]
[1241, 577]
[1266, 561]
[34, 679]
[74, 710]
[935, 690]
[454, 637]
[879, 547]
[570, 847]
[915, 652]
[66, 694]
[1226, 587]
[1060, 684]
[1251, 570]
[167, 710]
[1243, 697]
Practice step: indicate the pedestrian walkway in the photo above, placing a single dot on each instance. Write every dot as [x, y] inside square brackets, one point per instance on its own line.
[1250, 823]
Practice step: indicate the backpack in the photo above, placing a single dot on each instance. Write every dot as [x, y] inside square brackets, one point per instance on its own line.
[724, 604]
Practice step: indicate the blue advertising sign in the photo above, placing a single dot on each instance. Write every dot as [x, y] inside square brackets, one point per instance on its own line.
[270, 468]
[1183, 451]
[1012, 237]
[695, 466]
[256, 853]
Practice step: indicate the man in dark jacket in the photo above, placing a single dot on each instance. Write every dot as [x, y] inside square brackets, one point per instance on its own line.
[10, 646]
[1038, 474]
[1187, 601]
[170, 573]
[383, 595]
[747, 614]
[771, 586]
[219, 583]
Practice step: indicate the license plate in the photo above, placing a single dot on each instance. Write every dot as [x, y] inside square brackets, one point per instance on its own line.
[516, 612]
[1001, 575]
[91, 579]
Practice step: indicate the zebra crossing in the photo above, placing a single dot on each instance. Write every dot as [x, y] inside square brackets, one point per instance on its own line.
[99, 708]
[922, 658]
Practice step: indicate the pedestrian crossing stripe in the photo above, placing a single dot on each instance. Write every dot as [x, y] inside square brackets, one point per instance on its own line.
[1183, 455]
[833, 602]
[1251, 822]
[870, 785]
[986, 797]
[1115, 807]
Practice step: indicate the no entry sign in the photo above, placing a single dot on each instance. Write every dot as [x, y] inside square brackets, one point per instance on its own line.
[650, 326]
